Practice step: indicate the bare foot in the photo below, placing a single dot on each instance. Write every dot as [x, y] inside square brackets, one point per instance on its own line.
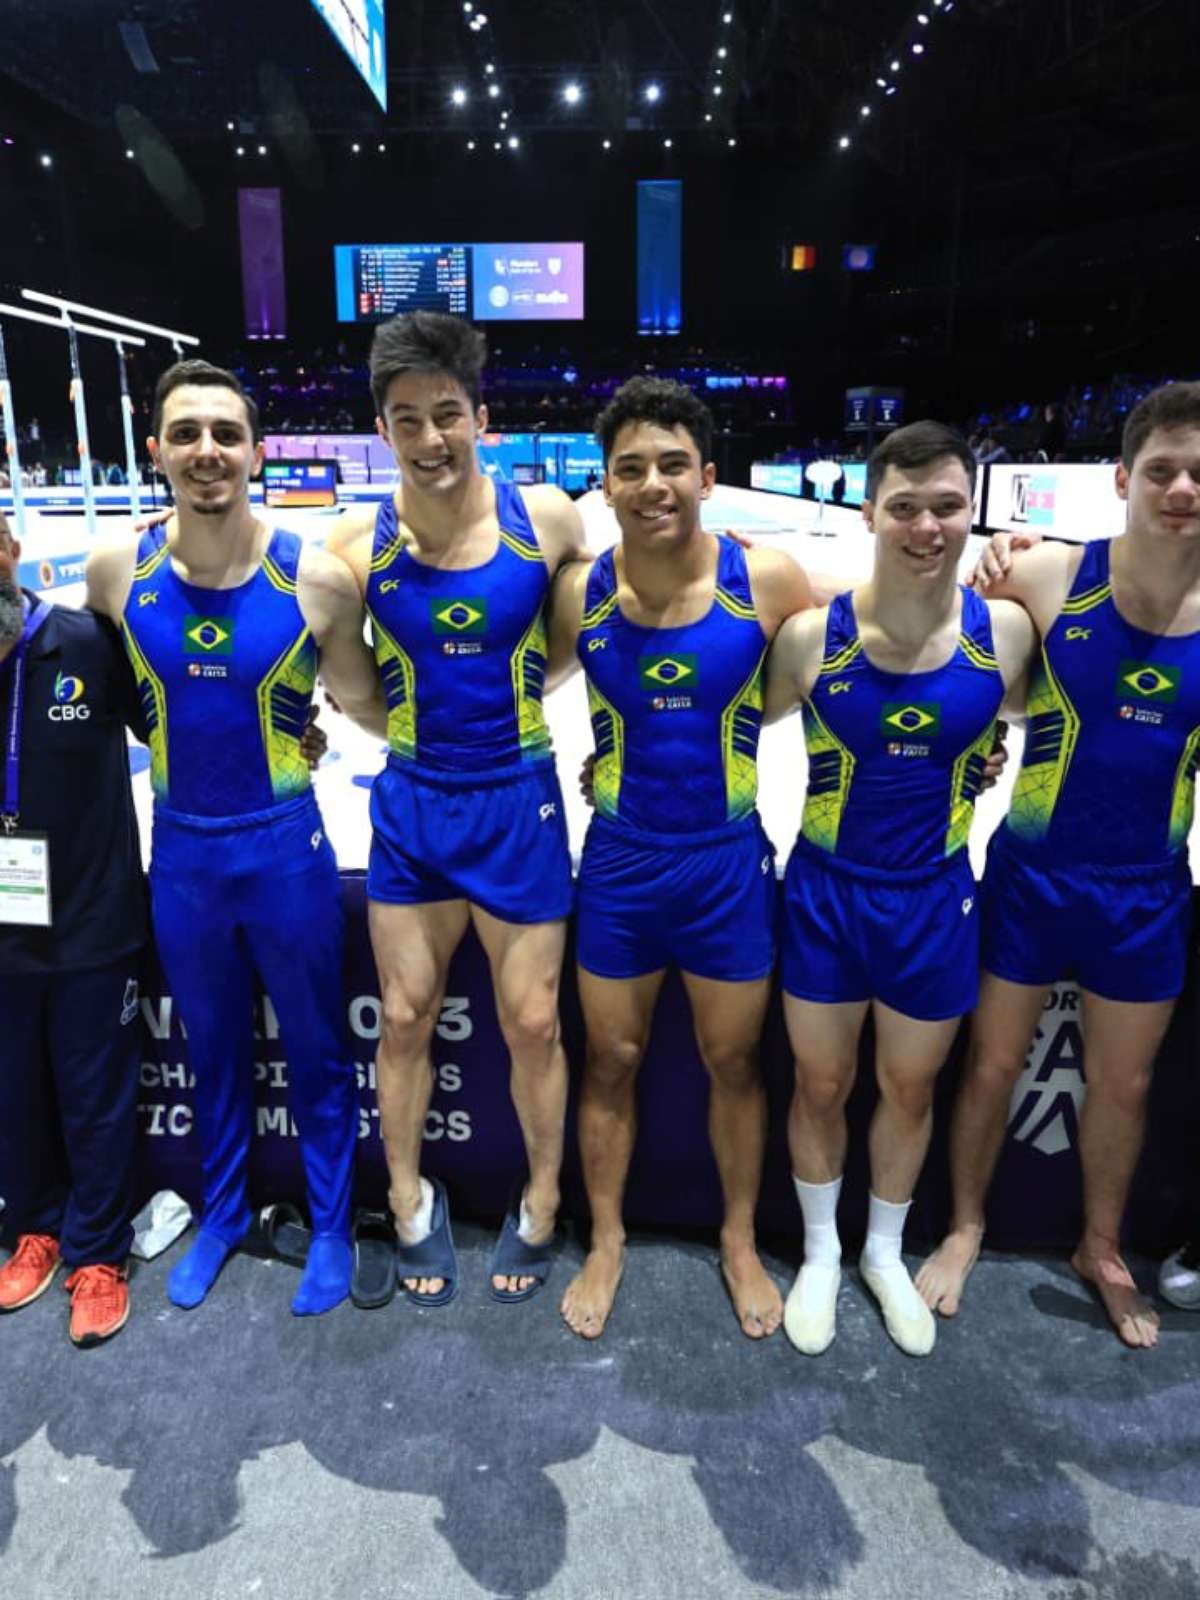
[541, 1220]
[757, 1303]
[944, 1274]
[589, 1296]
[406, 1234]
[1134, 1318]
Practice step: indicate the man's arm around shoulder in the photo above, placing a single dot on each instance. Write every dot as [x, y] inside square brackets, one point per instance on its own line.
[559, 526]
[109, 577]
[793, 662]
[332, 606]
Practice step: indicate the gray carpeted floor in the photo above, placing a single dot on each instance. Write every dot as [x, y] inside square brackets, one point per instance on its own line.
[483, 1450]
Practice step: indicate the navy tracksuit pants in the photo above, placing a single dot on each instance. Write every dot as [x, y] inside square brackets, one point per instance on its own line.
[70, 1050]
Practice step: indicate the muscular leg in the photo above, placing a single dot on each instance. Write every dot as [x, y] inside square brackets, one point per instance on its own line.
[1122, 1040]
[824, 1040]
[413, 946]
[1002, 1029]
[618, 1013]
[526, 962]
[909, 1054]
[728, 1018]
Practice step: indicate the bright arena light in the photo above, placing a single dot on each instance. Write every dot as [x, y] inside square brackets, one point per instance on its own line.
[458, 95]
[572, 94]
[653, 93]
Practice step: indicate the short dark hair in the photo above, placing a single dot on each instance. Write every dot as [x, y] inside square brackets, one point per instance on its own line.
[919, 444]
[427, 341]
[202, 373]
[1174, 405]
[671, 405]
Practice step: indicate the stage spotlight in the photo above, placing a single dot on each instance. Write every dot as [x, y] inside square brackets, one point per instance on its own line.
[493, 90]
[722, 52]
[727, 18]
[514, 143]
[607, 144]
[895, 66]
[229, 127]
[731, 143]
[666, 144]
[356, 148]
[708, 116]
[382, 148]
[46, 161]
[496, 144]
[918, 49]
[470, 144]
[716, 88]
[891, 89]
[864, 111]
[843, 143]
[572, 94]
[652, 93]
[262, 149]
[458, 95]
[922, 19]
[881, 83]
[241, 150]
[489, 67]
[129, 155]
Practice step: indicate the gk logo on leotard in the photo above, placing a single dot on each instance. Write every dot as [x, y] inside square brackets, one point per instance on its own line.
[547, 810]
[150, 598]
[597, 644]
[1078, 633]
[841, 686]
[388, 585]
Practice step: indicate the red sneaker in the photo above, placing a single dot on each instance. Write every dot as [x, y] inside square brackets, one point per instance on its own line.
[99, 1303]
[29, 1271]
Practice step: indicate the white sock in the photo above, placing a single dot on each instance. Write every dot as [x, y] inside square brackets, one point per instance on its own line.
[420, 1225]
[818, 1206]
[885, 1231]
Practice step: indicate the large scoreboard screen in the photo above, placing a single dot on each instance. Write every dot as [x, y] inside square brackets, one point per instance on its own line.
[359, 27]
[487, 282]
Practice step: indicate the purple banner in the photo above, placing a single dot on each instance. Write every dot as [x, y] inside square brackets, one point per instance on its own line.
[473, 1140]
[264, 294]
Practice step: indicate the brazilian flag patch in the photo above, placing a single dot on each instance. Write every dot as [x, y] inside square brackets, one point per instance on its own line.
[910, 719]
[207, 636]
[668, 674]
[459, 617]
[1143, 681]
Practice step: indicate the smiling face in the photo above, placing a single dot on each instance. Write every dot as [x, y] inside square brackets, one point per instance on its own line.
[1162, 487]
[655, 482]
[431, 426]
[921, 517]
[206, 448]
